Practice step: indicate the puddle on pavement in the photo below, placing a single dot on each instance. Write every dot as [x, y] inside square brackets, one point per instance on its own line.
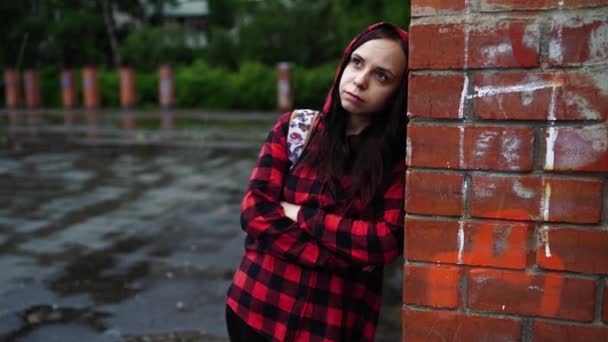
[126, 245]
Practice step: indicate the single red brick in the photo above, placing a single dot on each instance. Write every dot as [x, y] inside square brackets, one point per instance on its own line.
[585, 95]
[471, 147]
[583, 148]
[434, 146]
[550, 332]
[576, 40]
[572, 95]
[550, 199]
[434, 193]
[438, 326]
[506, 197]
[499, 148]
[484, 45]
[498, 244]
[574, 250]
[521, 293]
[431, 285]
[516, 5]
[422, 8]
[605, 316]
[435, 95]
[573, 200]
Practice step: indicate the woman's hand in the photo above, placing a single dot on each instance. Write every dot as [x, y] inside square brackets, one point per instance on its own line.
[291, 210]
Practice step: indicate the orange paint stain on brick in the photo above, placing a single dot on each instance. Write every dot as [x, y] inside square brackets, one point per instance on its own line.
[431, 285]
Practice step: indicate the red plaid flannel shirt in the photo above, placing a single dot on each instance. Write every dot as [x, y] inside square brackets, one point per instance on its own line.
[310, 280]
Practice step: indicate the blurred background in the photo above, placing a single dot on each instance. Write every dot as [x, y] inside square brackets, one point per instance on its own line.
[232, 44]
[128, 133]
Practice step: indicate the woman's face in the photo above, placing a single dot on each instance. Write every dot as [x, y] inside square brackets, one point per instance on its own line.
[372, 76]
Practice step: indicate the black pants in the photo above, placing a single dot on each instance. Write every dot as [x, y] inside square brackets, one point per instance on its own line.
[239, 331]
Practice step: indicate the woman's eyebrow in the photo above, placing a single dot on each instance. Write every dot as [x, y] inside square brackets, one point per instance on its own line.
[385, 70]
[388, 71]
[356, 55]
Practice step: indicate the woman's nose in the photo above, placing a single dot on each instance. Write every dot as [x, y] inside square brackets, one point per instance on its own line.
[360, 80]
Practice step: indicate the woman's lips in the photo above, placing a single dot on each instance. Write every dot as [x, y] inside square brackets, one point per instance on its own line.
[352, 97]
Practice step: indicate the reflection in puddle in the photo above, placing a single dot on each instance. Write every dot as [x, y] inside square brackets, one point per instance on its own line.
[126, 244]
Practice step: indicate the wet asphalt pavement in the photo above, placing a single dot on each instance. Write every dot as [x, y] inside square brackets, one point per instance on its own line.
[127, 244]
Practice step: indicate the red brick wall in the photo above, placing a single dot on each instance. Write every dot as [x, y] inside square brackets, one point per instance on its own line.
[506, 233]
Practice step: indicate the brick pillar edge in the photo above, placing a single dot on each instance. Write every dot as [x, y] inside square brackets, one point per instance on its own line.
[506, 231]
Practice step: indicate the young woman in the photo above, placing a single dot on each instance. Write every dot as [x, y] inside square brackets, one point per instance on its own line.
[320, 231]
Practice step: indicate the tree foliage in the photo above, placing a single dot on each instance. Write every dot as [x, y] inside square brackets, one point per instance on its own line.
[306, 32]
[62, 32]
[73, 33]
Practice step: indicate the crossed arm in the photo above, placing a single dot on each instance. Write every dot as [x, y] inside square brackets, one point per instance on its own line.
[311, 236]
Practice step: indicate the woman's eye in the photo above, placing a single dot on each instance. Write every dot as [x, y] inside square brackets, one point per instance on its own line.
[382, 77]
[356, 61]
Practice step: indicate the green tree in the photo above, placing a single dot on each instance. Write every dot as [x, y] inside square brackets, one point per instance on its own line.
[306, 32]
[301, 31]
[149, 47]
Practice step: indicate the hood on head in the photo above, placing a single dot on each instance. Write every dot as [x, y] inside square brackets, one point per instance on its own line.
[345, 58]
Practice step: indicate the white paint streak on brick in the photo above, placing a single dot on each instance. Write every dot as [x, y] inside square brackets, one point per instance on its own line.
[561, 3]
[467, 6]
[483, 193]
[465, 186]
[552, 104]
[555, 45]
[463, 96]
[518, 88]
[408, 151]
[597, 136]
[598, 45]
[545, 204]
[484, 142]
[527, 97]
[467, 38]
[600, 78]
[544, 239]
[582, 146]
[585, 108]
[491, 53]
[460, 241]
[531, 37]
[551, 137]
[461, 147]
[522, 191]
[510, 149]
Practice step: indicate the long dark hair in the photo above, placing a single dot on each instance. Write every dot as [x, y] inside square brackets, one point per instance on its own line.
[383, 143]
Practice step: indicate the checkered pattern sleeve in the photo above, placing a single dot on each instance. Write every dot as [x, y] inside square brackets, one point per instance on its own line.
[263, 217]
[364, 242]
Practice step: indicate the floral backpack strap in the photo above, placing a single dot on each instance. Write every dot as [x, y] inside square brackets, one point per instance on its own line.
[300, 127]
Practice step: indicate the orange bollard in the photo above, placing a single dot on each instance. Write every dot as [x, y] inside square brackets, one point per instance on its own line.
[90, 84]
[284, 89]
[166, 87]
[32, 88]
[12, 88]
[128, 96]
[68, 89]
